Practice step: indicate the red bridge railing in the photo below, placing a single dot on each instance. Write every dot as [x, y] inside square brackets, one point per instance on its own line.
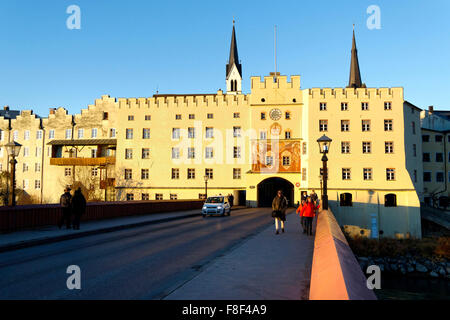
[34, 216]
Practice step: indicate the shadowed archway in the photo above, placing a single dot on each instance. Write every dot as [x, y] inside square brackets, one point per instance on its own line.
[267, 190]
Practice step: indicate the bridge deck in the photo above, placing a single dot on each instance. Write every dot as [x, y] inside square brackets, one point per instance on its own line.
[266, 266]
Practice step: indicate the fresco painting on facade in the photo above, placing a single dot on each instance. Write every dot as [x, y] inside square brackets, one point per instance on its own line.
[161, 147]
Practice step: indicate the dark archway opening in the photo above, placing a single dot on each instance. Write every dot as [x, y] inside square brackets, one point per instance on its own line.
[267, 190]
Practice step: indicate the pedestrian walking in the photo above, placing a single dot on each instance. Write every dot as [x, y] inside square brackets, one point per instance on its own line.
[308, 211]
[299, 212]
[78, 208]
[314, 196]
[279, 206]
[66, 209]
[231, 200]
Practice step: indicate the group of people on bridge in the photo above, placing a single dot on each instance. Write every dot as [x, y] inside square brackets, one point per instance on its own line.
[307, 211]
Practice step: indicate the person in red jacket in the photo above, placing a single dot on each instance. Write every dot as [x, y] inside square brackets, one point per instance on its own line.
[308, 212]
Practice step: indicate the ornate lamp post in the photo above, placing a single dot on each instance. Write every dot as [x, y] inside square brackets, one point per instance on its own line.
[206, 177]
[13, 149]
[324, 146]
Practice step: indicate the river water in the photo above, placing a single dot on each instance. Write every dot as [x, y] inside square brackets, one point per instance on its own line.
[411, 288]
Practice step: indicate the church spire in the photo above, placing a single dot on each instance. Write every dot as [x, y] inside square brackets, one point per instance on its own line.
[355, 74]
[233, 68]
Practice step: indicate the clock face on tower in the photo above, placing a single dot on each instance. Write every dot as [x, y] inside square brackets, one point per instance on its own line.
[275, 114]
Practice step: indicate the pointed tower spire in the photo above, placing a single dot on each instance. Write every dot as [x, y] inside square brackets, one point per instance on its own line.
[233, 68]
[355, 74]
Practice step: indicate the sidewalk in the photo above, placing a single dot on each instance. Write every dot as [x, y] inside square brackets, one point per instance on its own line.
[266, 267]
[49, 234]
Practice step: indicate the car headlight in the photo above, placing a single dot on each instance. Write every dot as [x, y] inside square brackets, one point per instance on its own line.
[219, 207]
[204, 208]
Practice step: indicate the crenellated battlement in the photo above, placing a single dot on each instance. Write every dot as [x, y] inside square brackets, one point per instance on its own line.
[359, 93]
[257, 83]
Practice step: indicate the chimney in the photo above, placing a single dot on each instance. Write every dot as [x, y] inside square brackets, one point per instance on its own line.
[6, 108]
[52, 110]
[430, 109]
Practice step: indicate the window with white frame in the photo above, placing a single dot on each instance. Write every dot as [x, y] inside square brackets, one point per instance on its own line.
[68, 134]
[390, 174]
[146, 133]
[1, 135]
[365, 125]
[145, 174]
[364, 106]
[323, 125]
[94, 133]
[236, 152]
[51, 134]
[15, 135]
[25, 167]
[269, 161]
[26, 135]
[37, 167]
[175, 173]
[210, 116]
[389, 147]
[94, 172]
[175, 153]
[190, 173]
[209, 132]
[26, 151]
[191, 153]
[287, 134]
[191, 132]
[303, 174]
[236, 115]
[344, 106]
[345, 147]
[145, 153]
[209, 173]
[25, 184]
[112, 133]
[80, 133]
[67, 172]
[209, 153]
[236, 132]
[129, 133]
[236, 173]
[128, 153]
[322, 106]
[128, 174]
[38, 134]
[388, 105]
[345, 125]
[286, 161]
[367, 147]
[367, 173]
[346, 173]
[175, 133]
[388, 125]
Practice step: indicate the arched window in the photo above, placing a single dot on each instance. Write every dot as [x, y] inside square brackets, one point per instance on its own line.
[346, 200]
[390, 200]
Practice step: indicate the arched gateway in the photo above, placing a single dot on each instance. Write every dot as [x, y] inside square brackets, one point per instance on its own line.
[267, 190]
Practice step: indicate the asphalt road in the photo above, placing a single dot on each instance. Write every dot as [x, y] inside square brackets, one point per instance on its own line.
[140, 263]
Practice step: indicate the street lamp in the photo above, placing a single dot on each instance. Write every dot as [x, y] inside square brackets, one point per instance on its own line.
[13, 149]
[206, 177]
[324, 146]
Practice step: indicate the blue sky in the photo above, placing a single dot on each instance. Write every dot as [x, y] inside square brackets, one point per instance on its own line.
[131, 48]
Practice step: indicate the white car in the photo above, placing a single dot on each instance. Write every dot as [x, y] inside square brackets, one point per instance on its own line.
[216, 205]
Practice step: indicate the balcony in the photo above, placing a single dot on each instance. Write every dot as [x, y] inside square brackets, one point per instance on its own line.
[83, 161]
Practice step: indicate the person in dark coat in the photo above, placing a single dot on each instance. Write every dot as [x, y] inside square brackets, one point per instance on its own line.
[78, 208]
[231, 199]
[279, 206]
[66, 209]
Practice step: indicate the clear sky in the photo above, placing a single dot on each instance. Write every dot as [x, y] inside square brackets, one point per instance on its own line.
[131, 48]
